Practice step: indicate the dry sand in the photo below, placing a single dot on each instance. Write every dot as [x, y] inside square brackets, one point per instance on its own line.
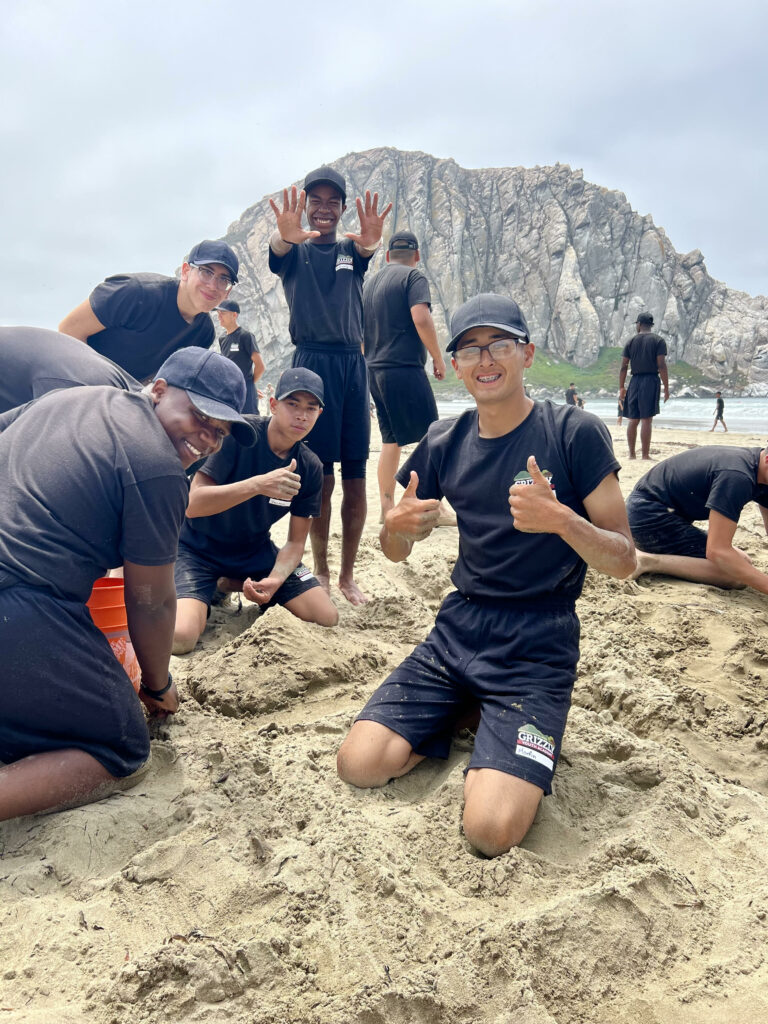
[242, 882]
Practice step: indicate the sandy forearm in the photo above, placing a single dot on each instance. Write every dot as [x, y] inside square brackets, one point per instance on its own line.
[605, 550]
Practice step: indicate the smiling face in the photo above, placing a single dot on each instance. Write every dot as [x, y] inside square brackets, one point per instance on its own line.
[292, 419]
[193, 434]
[324, 209]
[201, 293]
[494, 377]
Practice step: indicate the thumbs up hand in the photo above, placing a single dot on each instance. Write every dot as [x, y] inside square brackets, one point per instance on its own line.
[412, 517]
[534, 506]
[283, 483]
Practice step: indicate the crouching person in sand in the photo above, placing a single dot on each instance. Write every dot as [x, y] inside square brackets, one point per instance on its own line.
[235, 498]
[92, 478]
[508, 637]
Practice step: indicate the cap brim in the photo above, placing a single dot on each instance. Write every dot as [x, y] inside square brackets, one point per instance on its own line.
[326, 181]
[293, 391]
[515, 331]
[241, 429]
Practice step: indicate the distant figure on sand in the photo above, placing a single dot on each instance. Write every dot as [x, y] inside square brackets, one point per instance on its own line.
[571, 394]
[92, 478]
[719, 408]
[399, 332]
[646, 353]
[138, 320]
[507, 638]
[619, 411]
[323, 283]
[713, 482]
[240, 346]
[235, 498]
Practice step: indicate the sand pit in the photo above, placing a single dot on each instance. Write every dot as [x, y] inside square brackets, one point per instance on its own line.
[242, 882]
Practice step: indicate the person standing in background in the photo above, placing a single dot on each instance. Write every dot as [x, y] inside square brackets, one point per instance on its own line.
[719, 408]
[240, 346]
[646, 353]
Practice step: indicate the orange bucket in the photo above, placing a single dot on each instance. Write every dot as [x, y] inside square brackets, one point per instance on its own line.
[107, 607]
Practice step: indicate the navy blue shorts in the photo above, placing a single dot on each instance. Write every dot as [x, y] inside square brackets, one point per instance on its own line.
[405, 403]
[195, 576]
[343, 431]
[517, 659]
[61, 687]
[661, 531]
[643, 394]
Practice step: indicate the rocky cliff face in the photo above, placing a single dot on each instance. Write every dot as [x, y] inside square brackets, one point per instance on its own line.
[581, 263]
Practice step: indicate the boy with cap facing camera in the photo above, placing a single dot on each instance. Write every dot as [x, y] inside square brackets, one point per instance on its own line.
[92, 478]
[537, 498]
[240, 346]
[138, 320]
[235, 499]
[322, 279]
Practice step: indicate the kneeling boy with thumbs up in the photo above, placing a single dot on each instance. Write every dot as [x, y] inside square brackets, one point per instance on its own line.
[234, 501]
[537, 500]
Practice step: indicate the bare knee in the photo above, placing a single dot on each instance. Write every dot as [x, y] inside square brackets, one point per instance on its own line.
[372, 754]
[491, 833]
[185, 638]
[498, 810]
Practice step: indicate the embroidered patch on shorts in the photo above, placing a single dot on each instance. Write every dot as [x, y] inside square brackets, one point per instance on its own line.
[303, 573]
[280, 502]
[535, 746]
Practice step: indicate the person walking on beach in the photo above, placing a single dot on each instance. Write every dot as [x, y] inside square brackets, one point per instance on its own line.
[138, 320]
[713, 482]
[646, 353]
[240, 346]
[235, 498]
[323, 283]
[719, 408]
[399, 332]
[92, 478]
[507, 637]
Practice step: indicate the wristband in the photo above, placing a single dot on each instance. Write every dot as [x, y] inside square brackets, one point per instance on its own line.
[157, 694]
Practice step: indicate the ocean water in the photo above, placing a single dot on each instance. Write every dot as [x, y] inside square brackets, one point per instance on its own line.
[742, 415]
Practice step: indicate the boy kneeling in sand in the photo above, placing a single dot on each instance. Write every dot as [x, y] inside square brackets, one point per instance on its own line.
[508, 637]
[233, 503]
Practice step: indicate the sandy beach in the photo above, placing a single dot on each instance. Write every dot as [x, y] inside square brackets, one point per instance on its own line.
[241, 881]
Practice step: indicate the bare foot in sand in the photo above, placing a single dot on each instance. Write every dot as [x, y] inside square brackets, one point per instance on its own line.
[446, 517]
[643, 564]
[352, 592]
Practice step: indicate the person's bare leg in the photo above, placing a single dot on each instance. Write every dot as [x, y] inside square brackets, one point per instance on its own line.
[646, 429]
[697, 570]
[191, 616]
[498, 809]
[353, 510]
[372, 754]
[724, 426]
[55, 779]
[314, 606]
[632, 437]
[389, 460]
[319, 532]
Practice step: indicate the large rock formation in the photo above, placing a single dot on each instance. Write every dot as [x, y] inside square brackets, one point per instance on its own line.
[576, 256]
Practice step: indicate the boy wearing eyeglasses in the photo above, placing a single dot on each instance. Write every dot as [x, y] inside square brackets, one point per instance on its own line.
[138, 320]
[537, 499]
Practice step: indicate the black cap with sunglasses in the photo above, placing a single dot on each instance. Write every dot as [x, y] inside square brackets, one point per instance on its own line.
[487, 310]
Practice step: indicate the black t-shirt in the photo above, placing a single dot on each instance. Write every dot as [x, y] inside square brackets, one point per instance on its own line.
[89, 479]
[642, 352]
[570, 396]
[235, 537]
[143, 325]
[323, 286]
[475, 473]
[239, 346]
[391, 338]
[720, 406]
[34, 361]
[712, 477]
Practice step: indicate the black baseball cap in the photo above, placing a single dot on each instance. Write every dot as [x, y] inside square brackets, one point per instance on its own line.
[404, 240]
[487, 310]
[645, 318]
[213, 384]
[215, 252]
[229, 306]
[326, 176]
[299, 378]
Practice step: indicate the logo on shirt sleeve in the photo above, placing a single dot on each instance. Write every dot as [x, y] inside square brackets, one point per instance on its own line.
[535, 746]
[344, 262]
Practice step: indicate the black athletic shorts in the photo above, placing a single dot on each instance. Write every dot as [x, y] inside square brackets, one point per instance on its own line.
[343, 431]
[61, 687]
[516, 658]
[195, 576]
[405, 403]
[643, 394]
[661, 531]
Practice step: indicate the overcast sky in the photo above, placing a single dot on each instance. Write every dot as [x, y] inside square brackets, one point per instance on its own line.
[131, 131]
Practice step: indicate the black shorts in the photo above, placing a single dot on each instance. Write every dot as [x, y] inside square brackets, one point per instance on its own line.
[661, 531]
[517, 659]
[195, 576]
[343, 431]
[61, 687]
[643, 394]
[405, 403]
